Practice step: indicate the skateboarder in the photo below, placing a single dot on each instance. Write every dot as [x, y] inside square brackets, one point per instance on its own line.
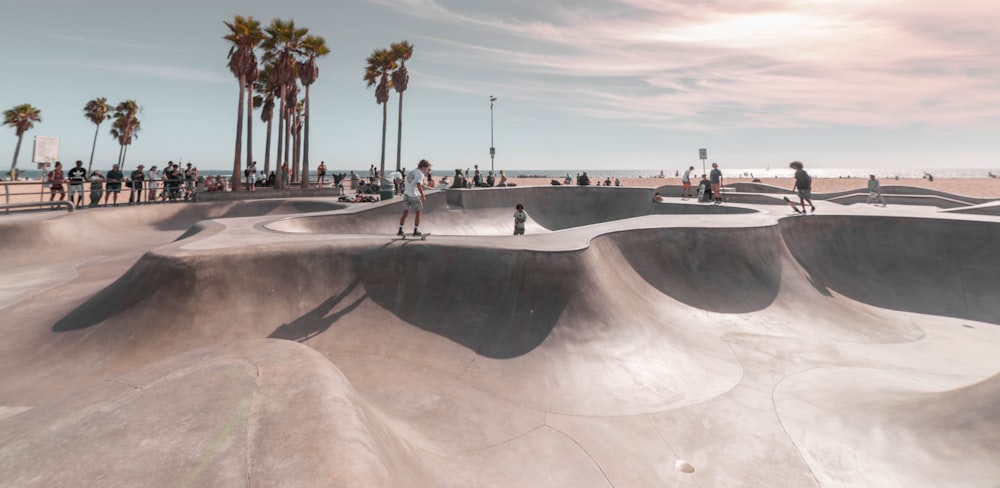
[874, 191]
[803, 186]
[520, 217]
[413, 196]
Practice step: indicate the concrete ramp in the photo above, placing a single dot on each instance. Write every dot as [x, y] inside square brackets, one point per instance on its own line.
[633, 345]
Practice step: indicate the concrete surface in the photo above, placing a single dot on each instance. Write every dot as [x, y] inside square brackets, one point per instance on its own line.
[296, 343]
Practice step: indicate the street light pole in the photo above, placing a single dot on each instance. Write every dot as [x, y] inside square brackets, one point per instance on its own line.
[493, 150]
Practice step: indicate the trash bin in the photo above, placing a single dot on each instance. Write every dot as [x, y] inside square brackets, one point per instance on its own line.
[386, 190]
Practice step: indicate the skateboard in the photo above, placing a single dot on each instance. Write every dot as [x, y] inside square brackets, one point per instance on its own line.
[422, 237]
[794, 206]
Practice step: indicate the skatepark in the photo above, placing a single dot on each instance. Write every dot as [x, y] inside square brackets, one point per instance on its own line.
[620, 343]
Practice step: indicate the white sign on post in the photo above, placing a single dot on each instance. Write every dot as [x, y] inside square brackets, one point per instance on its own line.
[46, 149]
[703, 154]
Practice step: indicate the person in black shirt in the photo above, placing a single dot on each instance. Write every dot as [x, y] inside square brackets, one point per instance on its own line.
[138, 176]
[114, 186]
[77, 176]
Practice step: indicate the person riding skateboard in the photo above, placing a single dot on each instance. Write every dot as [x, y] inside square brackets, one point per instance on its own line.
[413, 196]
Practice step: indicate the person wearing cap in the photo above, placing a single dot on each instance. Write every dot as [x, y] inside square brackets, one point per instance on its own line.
[138, 176]
[413, 196]
[114, 186]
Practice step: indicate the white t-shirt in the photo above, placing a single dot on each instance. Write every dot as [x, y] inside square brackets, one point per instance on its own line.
[413, 178]
[687, 177]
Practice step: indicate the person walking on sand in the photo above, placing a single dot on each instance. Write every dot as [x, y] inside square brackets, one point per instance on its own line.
[686, 183]
[413, 196]
[803, 186]
[520, 217]
[874, 190]
[715, 177]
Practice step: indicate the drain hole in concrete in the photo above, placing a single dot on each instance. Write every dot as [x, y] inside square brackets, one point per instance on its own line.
[684, 466]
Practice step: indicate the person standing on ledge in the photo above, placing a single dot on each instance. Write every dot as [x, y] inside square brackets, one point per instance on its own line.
[715, 177]
[686, 183]
[803, 186]
[413, 197]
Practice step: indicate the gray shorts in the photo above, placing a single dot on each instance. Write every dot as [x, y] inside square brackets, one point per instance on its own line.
[75, 189]
[413, 203]
[805, 194]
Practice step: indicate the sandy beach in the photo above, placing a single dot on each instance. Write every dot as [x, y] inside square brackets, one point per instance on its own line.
[33, 191]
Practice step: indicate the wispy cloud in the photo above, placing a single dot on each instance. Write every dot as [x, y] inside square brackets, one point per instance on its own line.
[161, 72]
[735, 63]
[115, 43]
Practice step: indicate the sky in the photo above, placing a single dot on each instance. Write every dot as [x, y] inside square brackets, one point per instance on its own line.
[588, 84]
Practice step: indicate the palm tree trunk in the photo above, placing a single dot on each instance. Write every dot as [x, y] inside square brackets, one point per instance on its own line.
[121, 150]
[249, 125]
[399, 137]
[279, 182]
[288, 143]
[305, 146]
[17, 149]
[124, 153]
[92, 148]
[267, 150]
[385, 116]
[237, 174]
[295, 151]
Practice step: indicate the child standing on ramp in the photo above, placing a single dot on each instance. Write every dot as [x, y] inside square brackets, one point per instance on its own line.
[520, 217]
[413, 196]
[803, 186]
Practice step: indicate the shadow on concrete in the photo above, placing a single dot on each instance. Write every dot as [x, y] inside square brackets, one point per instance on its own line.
[498, 303]
[718, 270]
[151, 278]
[319, 320]
[927, 266]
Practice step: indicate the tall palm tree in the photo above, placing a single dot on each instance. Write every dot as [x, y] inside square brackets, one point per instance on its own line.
[245, 34]
[381, 62]
[313, 47]
[97, 111]
[282, 42]
[22, 118]
[265, 90]
[126, 127]
[402, 51]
